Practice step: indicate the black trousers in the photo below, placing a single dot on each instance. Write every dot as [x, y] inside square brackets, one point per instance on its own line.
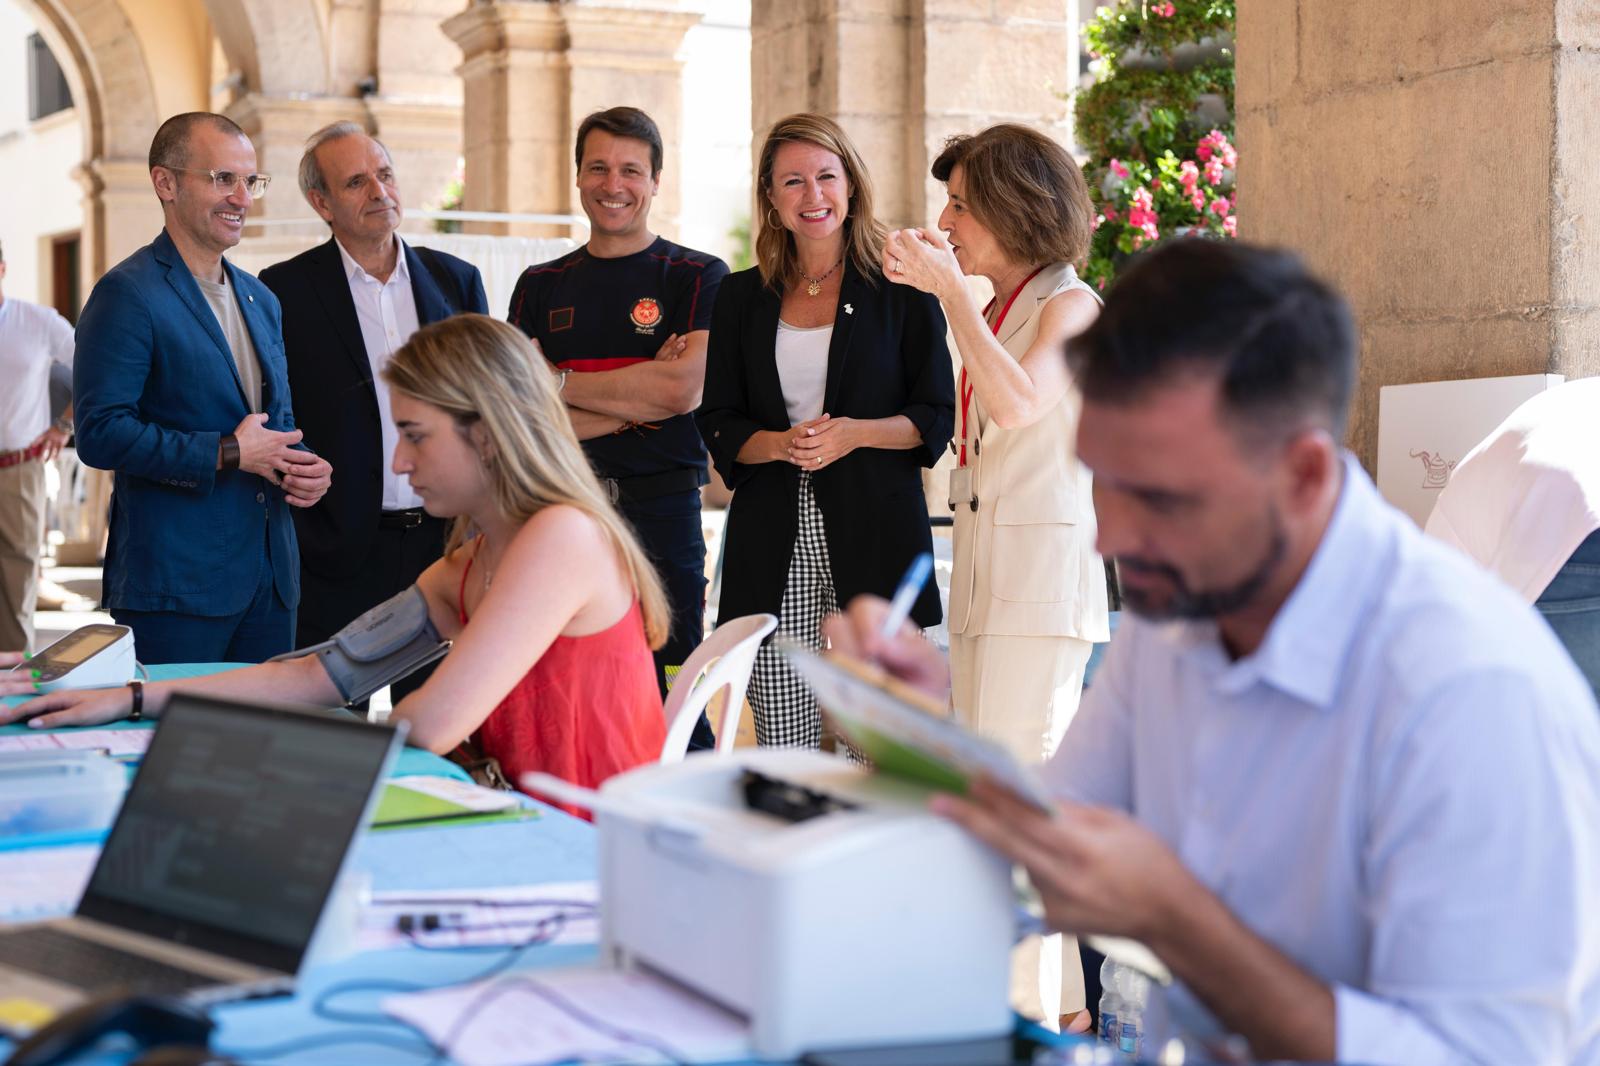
[398, 556]
[669, 530]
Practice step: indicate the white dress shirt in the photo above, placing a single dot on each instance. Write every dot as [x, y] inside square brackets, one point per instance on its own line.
[387, 311]
[30, 337]
[1522, 501]
[1400, 789]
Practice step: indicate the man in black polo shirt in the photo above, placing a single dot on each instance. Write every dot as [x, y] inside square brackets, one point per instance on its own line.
[625, 320]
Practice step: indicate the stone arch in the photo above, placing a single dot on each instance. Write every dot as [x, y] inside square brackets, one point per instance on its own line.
[279, 47]
[110, 79]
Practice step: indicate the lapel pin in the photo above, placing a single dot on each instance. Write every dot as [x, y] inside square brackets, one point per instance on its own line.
[849, 310]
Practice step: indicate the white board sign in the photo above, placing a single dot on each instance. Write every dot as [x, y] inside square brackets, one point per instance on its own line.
[1425, 429]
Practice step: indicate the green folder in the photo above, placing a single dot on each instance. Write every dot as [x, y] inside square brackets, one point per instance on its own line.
[402, 807]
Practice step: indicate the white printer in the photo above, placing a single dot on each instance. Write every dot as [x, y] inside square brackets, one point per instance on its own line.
[819, 901]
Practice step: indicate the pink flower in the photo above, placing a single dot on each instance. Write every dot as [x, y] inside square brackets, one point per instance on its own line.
[1111, 214]
[1219, 206]
[1119, 169]
[1198, 199]
[1188, 174]
[1155, 183]
[1214, 171]
[1099, 220]
[1230, 225]
[1165, 10]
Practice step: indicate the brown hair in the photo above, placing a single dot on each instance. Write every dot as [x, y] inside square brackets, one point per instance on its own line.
[1025, 189]
[863, 234]
[170, 146]
[479, 369]
[622, 122]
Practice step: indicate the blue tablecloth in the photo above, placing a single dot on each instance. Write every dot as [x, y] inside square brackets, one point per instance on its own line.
[554, 848]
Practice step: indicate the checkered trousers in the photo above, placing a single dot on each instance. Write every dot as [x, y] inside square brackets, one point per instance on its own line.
[785, 712]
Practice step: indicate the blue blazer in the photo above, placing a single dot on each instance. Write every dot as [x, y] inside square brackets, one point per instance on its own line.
[155, 390]
[335, 403]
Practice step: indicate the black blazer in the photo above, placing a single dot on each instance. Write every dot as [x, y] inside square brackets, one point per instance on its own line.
[330, 384]
[887, 357]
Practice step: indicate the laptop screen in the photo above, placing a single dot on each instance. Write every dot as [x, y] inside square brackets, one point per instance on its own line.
[236, 827]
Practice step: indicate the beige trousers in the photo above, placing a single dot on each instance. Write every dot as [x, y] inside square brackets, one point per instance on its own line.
[21, 543]
[1023, 692]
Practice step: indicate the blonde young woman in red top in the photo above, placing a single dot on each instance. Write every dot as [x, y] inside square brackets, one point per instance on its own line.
[551, 603]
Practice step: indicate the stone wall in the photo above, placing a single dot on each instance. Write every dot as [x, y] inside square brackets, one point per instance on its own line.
[1438, 168]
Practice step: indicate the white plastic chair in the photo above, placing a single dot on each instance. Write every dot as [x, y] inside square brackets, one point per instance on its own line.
[722, 663]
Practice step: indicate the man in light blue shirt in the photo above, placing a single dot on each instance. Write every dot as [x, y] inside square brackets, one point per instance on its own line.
[1346, 786]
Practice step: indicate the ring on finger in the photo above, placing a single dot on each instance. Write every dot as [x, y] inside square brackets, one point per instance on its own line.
[896, 267]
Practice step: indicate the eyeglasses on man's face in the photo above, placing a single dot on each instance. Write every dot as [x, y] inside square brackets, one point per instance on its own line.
[226, 181]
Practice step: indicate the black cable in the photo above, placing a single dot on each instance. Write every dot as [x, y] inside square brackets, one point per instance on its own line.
[547, 930]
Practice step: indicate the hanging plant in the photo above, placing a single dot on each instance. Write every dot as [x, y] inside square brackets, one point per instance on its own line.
[1158, 126]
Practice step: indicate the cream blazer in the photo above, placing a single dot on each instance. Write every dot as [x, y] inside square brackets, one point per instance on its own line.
[1025, 563]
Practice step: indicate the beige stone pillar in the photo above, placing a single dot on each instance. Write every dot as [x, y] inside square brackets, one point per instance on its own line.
[902, 75]
[1439, 171]
[120, 214]
[531, 71]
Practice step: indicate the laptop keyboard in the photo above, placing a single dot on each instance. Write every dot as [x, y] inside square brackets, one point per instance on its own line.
[85, 964]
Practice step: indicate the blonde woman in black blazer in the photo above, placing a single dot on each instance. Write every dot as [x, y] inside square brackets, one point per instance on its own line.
[827, 391]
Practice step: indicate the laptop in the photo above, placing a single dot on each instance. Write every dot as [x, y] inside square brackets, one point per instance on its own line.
[213, 878]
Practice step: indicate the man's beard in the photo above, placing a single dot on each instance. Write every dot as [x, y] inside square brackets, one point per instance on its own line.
[1186, 603]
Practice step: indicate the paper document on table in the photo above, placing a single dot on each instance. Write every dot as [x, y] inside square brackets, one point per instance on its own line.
[905, 732]
[588, 1015]
[567, 912]
[111, 741]
[42, 883]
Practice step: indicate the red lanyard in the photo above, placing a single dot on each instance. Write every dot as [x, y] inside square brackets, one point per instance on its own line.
[966, 390]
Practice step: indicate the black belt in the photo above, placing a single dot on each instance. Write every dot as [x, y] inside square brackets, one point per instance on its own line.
[650, 486]
[407, 519]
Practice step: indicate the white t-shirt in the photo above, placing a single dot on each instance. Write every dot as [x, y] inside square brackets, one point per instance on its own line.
[30, 337]
[1522, 501]
[802, 358]
[387, 312]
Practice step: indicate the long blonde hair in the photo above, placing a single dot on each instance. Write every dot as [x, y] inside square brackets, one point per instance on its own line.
[863, 234]
[479, 369]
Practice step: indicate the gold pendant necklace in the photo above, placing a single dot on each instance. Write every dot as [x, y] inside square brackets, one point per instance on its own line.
[814, 284]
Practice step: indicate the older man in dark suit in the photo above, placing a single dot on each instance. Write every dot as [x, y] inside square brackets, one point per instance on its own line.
[348, 305]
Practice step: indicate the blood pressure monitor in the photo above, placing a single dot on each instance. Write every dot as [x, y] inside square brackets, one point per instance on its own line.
[95, 656]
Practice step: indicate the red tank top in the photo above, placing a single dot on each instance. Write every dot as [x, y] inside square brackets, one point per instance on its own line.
[588, 709]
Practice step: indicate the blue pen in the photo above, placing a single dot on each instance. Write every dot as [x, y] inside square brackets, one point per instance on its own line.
[904, 596]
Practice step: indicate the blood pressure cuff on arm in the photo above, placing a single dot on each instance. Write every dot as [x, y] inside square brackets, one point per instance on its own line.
[389, 642]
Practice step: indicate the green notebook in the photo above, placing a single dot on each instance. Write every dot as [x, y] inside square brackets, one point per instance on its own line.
[402, 806]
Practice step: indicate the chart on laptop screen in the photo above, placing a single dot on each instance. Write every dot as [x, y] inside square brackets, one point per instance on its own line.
[241, 821]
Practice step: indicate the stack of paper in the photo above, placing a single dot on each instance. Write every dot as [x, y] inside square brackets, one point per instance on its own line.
[44, 882]
[478, 917]
[587, 1015]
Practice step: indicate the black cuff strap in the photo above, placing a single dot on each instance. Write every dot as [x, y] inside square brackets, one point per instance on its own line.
[138, 700]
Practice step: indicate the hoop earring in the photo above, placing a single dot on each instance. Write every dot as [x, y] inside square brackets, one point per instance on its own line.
[771, 222]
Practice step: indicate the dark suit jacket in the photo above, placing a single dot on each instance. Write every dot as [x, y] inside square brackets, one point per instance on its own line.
[334, 401]
[887, 357]
[156, 389]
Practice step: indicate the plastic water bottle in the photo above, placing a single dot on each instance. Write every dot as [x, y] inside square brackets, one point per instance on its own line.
[1110, 1003]
[1133, 992]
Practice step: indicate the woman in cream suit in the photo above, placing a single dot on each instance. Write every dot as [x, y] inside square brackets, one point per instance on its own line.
[1028, 595]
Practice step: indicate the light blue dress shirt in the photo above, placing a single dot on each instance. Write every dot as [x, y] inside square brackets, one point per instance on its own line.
[1400, 789]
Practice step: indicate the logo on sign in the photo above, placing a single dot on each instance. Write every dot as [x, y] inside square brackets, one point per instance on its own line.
[646, 315]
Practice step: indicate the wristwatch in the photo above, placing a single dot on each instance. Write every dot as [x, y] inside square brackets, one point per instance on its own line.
[138, 700]
[62, 425]
[229, 455]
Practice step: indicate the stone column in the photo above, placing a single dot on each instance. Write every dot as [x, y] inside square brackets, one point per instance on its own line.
[120, 214]
[1377, 140]
[902, 75]
[531, 71]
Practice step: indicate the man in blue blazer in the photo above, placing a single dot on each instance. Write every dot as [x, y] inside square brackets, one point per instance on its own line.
[348, 305]
[181, 389]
